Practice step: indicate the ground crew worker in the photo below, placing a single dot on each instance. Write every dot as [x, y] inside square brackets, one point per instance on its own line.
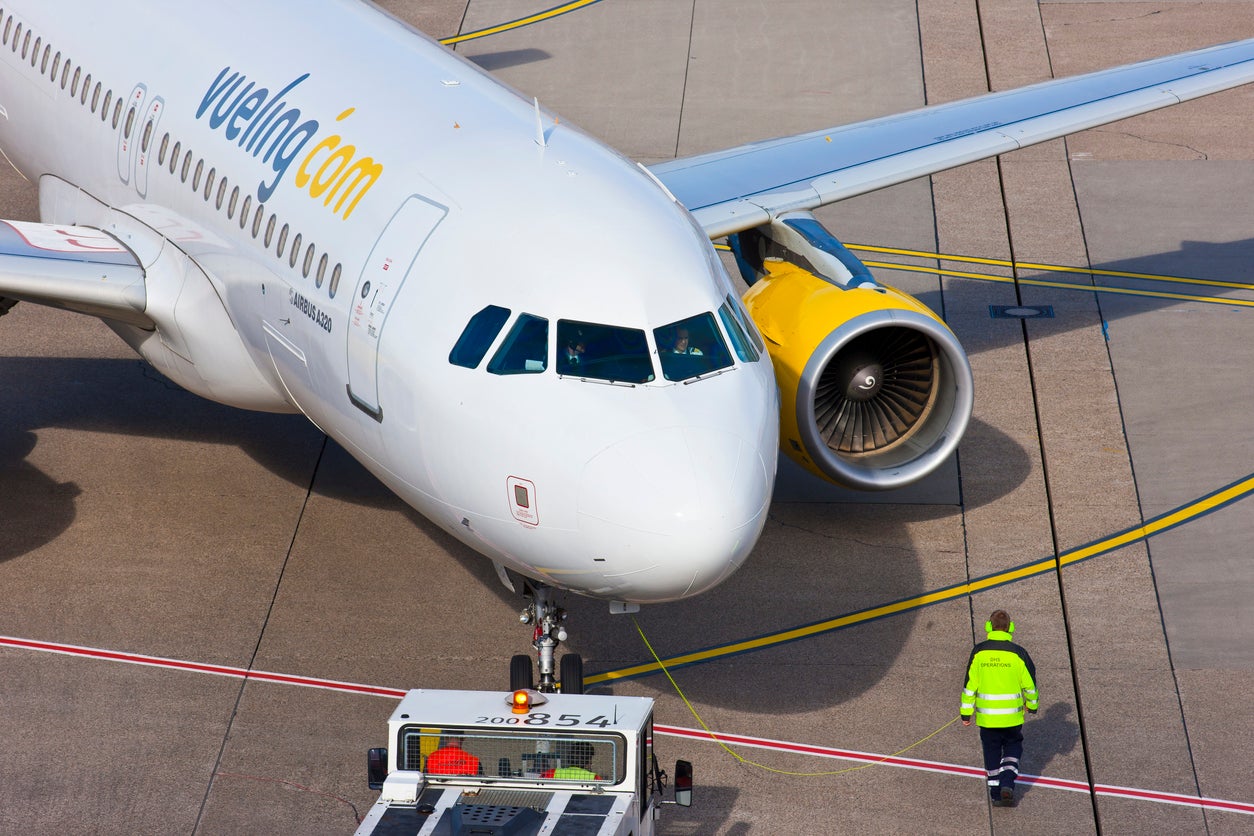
[578, 757]
[1000, 675]
[452, 759]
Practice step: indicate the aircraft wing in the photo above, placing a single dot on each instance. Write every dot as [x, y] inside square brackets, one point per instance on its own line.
[742, 187]
[72, 267]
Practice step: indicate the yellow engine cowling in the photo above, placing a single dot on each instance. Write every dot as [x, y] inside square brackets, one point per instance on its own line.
[875, 390]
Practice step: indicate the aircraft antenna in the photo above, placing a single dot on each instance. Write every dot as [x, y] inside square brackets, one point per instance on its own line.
[540, 139]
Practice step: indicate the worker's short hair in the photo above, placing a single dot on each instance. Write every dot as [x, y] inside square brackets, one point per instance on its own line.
[1000, 620]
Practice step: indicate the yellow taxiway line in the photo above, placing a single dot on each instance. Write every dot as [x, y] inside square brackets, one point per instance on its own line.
[1179, 516]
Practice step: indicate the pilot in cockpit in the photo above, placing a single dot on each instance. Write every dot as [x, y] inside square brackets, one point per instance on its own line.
[570, 356]
[681, 344]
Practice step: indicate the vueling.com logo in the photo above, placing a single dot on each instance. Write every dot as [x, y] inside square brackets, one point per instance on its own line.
[266, 127]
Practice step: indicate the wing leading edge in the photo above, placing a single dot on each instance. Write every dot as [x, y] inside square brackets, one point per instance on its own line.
[71, 267]
[743, 187]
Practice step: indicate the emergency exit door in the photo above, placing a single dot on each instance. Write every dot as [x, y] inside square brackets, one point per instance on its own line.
[386, 269]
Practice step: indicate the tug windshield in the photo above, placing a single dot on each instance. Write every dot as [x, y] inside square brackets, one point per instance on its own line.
[520, 756]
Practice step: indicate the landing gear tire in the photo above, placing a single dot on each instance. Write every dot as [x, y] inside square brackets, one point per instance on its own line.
[572, 674]
[520, 673]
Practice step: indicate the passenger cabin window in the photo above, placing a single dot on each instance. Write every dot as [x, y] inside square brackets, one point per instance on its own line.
[736, 329]
[603, 352]
[691, 347]
[477, 336]
[525, 349]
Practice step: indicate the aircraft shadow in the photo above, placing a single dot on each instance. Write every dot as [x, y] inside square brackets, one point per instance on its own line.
[117, 397]
[1225, 262]
[492, 61]
[820, 546]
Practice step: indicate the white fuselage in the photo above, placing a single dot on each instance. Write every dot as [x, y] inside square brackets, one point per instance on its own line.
[420, 193]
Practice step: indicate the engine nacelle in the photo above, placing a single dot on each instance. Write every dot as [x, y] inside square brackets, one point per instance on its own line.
[875, 390]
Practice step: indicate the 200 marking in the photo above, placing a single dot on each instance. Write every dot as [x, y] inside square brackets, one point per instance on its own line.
[542, 719]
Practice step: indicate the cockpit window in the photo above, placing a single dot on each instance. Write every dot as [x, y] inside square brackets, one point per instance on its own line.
[743, 317]
[477, 338]
[744, 349]
[691, 347]
[525, 349]
[603, 352]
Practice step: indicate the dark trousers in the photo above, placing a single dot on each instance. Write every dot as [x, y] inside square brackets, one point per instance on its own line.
[1002, 750]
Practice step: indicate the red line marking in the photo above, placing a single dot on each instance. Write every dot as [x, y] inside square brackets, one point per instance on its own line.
[198, 667]
[671, 731]
[956, 769]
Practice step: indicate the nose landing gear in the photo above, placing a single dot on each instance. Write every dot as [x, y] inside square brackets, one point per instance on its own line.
[548, 619]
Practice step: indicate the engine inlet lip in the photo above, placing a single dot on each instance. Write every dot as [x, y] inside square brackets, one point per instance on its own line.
[951, 356]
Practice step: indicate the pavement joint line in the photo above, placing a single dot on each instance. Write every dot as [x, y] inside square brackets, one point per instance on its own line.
[538, 17]
[1164, 522]
[667, 731]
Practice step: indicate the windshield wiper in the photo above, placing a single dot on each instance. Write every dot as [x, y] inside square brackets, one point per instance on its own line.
[708, 375]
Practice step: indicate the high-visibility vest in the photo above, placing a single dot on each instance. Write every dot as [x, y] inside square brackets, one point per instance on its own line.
[576, 773]
[1001, 682]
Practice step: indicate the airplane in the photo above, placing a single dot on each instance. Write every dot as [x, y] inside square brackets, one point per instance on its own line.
[527, 337]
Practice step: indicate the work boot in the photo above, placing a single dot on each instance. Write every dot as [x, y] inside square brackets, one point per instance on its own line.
[1007, 798]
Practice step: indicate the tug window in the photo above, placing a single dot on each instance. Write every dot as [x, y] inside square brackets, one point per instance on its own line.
[525, 349]
[477, 336]
[691, 347]
[549, 756]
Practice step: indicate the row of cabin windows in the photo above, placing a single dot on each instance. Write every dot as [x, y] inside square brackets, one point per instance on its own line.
[53, 65]
[18, 39]
[229, 196]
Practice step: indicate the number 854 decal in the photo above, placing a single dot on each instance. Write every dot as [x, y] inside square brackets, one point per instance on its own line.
[542, 719]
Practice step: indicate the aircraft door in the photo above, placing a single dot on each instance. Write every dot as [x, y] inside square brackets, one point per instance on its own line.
[381, 279]
[147, 140]
[132, 110]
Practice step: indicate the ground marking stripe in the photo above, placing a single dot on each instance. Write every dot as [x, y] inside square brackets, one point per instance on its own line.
[548, 14]
[958, 769]
[670, 731]
[1119, 291]
[197, 667]
[1051, 268]
[1089, 288]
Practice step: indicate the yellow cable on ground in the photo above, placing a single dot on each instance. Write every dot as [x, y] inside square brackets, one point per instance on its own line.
[763, 766]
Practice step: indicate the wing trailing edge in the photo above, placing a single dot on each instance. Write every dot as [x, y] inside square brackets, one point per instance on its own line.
[72, 267]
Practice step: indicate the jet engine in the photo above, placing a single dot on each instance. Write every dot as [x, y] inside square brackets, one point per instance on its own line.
[875, 390]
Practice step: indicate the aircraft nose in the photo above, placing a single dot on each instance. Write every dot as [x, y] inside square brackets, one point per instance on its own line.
[672, 512]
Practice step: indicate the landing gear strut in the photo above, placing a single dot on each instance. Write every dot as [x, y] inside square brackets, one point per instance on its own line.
[548, 619]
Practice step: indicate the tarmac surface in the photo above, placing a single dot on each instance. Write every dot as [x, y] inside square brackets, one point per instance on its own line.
[139, 519]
